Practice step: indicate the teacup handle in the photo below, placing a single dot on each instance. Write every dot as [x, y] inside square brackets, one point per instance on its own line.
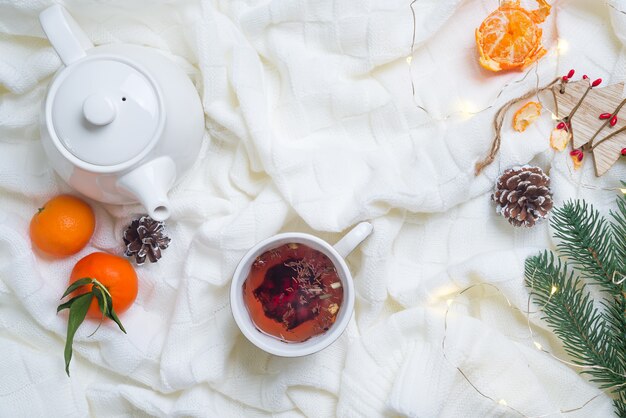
[352, 239]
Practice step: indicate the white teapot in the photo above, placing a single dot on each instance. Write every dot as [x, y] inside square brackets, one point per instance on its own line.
[120, 122]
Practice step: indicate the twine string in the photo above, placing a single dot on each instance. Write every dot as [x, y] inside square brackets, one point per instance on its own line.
[498, 121]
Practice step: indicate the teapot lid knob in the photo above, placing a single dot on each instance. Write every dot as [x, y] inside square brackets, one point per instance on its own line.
[99, 109]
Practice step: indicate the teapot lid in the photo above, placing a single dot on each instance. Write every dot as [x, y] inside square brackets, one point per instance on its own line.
[105, 111]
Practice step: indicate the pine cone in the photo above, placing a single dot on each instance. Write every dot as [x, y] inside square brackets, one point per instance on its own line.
[523, 195]
[145, 237]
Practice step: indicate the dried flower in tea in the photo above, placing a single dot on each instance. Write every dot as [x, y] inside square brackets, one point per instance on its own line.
[293, 292]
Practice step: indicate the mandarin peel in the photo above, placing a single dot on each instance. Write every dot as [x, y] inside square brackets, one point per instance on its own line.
[559, 138]
[526, 115]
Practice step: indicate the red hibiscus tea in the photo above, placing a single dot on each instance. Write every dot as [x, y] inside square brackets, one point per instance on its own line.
[293, 292]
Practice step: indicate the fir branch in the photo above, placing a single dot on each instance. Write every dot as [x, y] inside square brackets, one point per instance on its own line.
[586, 239]
[593, 333]
[569, 311]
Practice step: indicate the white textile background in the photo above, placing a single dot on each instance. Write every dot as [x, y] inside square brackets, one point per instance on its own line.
[310, 127]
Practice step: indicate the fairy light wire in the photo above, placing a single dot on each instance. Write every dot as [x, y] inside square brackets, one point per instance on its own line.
[554, 113]
[531, 336]
[409, 60]
[554, 289]
[612, 6]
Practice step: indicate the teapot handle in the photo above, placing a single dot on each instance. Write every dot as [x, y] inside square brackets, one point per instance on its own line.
[66, 37]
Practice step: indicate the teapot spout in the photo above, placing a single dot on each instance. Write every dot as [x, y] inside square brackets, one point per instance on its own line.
[149, 184]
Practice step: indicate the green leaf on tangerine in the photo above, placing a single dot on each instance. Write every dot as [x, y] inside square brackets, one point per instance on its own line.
[78, 283]
[111, 313]
[78, 310]
[67, 304]
[102, 300]
[114, 317]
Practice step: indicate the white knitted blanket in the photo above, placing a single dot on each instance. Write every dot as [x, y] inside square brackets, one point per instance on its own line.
[311, 126]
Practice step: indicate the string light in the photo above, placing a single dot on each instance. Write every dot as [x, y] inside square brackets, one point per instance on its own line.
[562, 46]
[469, 109]
[537, 345]
[612, 6]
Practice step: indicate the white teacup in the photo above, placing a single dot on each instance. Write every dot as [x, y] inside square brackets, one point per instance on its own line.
[336, 254]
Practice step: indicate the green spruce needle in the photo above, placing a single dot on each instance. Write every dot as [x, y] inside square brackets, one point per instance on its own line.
[79, 305]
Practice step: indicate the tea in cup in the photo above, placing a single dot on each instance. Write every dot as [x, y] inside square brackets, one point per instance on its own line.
[292, 294]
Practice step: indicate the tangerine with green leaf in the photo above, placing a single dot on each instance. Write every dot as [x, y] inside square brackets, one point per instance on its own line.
[101, 286]
[115, 273]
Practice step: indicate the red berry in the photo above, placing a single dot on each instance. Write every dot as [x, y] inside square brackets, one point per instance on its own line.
[596, 82]
[623, 151]
[565, 79]
[585, 77]
[613, 121]
[605, 116]
[561, 125]
[577, 153]
[571, 73]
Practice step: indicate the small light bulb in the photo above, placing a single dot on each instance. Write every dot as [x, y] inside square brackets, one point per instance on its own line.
[539, 347]
[553, 290]
[623, 191]
[562, 46]
[467, 108]
[409, 59]
[449, 302]
[502, 402]
[554, 116]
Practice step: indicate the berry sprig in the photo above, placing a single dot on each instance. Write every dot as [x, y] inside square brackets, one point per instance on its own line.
[612, 117]
[577, 156]
[565, 123]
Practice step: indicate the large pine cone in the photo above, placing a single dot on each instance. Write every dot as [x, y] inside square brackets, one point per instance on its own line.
[523, 195]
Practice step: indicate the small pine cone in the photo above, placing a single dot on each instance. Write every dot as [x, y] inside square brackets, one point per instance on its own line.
[523, 195]
[145, 237]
